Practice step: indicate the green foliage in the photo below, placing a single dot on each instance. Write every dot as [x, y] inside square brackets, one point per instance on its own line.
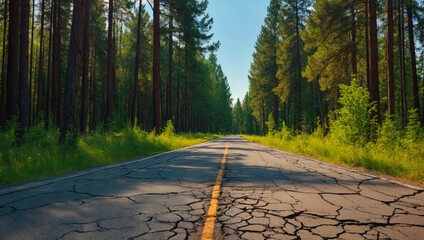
[351, 123]
[270, 124]
[284, 134]
[39, 154]
[169, 130]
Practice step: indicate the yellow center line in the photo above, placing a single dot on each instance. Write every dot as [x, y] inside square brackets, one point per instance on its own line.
[207, 233]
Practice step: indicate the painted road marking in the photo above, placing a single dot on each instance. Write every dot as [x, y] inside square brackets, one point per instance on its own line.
[207, 233]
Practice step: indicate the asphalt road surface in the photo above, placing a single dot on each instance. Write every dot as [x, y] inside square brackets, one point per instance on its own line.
[265, 194]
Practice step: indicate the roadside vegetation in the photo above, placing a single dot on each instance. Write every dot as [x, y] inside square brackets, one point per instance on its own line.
[38, 153]
[392, 150]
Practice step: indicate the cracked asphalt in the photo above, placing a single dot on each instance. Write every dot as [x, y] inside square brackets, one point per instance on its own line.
[266, 194]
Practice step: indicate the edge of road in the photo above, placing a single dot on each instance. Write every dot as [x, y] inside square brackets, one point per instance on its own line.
[21, 186]
[369, 173]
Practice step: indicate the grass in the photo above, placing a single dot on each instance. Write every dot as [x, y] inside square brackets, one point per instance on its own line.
[39, 155]
[399, 159]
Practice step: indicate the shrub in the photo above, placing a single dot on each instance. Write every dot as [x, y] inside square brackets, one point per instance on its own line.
[351, 123]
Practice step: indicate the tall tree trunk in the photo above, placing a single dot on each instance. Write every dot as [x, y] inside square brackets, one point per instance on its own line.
[24, 114]
[170, 51]
[367, 51]
[156, 68]
[178, 86]
[31, 94]
[402, 62]
[390, 67]
[354, 51]
[12, 65]
[49, 72]
[3, 65]
[415, 90]
[110, 52]
[299, 72]
[185, 89]
[137, 60]
[374, 89]
[70, 107]
[58, 63]
[114, 52]
[93, 94]
[40, 91]
[85, 65]
[276, 83]
[55, 67]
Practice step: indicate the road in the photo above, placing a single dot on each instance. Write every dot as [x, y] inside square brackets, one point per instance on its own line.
[265, 194]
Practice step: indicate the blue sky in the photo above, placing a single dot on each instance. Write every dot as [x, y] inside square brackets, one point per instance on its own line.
[237, 24]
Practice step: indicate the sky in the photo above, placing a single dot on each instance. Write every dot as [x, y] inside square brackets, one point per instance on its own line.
[237, 24]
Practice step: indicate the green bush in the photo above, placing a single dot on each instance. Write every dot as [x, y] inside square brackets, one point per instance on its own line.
[351, 123]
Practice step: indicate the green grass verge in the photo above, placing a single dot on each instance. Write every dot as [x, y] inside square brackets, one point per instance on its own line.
[391, 159]
[39, 155]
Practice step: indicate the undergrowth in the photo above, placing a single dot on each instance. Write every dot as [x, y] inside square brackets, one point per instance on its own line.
[38, 153]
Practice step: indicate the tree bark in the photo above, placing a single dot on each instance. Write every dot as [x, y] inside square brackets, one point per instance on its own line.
[185, 89]
[402, 62]
[110, 53]
[3, 65]
[31, 95]
[58, 64]
[70, 107]
[137, 63]
[415, 90]
[40, 91]
[24, 114]
[156, 67]
[55, 60]
[178, 86]
[49, 72]
[299, 72]
[12, 65]
[93, 94]
[354, 51]
[170, 51]
[85, 65]
[374, 89]
[367, 51]
[390, 66]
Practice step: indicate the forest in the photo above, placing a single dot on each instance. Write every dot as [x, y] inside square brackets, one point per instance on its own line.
[342, 81]
[114, 64]
[99, 73]
[306, 49]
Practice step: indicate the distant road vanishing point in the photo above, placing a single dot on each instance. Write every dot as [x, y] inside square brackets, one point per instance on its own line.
[241, 190]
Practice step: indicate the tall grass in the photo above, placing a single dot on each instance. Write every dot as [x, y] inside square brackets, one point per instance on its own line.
[390, 159]
[38, 154]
